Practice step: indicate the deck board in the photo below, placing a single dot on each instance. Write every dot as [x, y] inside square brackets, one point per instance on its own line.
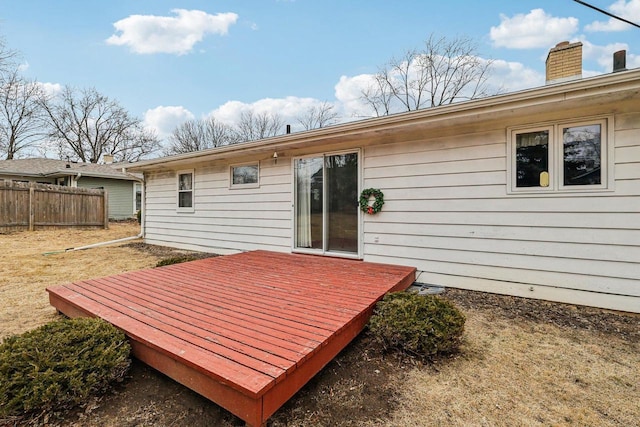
[248, 330]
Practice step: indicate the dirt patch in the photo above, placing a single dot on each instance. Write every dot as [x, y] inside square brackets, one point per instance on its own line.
[523, 362]
[357, 387]
[162, 252]
[624, 325]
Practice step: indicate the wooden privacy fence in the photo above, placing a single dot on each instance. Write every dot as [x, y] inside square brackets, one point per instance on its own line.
[27, 206]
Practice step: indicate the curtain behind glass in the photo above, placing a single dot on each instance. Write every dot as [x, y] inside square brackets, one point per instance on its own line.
[308, 202]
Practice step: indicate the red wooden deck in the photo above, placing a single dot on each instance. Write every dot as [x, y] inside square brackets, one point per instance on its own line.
[246, 331]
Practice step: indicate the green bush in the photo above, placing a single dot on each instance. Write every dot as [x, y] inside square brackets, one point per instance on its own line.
[59, 365]
[423, 326]
[175, 260]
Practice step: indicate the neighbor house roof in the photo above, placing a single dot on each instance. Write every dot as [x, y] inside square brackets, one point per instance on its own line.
[51, 168]
[608, 88]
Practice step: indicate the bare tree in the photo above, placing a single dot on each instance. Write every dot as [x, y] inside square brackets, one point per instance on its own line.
[379, 95]
[443, 72]
[252, 126]
[7, 58]
[196, 135]
[86, 124]
[318, 116]
[21, 114]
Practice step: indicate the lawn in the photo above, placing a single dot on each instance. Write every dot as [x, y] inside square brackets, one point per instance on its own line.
[523, 362]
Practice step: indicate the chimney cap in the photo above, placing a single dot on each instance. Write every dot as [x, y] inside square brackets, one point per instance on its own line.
[564, 45]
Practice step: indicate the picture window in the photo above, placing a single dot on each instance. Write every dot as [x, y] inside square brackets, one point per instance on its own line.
[247, 175]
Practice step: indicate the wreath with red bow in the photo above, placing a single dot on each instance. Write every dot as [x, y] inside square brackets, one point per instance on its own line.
[377, 203]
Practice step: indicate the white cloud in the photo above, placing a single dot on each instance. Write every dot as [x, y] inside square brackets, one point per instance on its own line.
[348, 92]
[533, 30]
[164, 120]
[504, 77]
[633, 61]
[603, 55]
[164, 34]
[508, 76]
[23, 67]
[51, 89]
[288, 108]
[629, 10]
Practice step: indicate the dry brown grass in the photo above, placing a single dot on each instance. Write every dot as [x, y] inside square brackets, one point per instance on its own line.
[25, 271]
[514, 372]
[524, 362]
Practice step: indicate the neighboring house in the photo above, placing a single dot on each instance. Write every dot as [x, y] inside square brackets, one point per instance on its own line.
[534, 193]
[123, 189]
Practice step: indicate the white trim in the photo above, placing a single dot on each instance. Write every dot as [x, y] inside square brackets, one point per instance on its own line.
[556, 157]
[360, 232]
[234, 186]
[186, 209]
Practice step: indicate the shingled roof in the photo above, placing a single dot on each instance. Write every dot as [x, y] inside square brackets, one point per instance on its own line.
[52, 168]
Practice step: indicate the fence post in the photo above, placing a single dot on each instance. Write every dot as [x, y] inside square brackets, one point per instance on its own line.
[106, 209]
[32, 210]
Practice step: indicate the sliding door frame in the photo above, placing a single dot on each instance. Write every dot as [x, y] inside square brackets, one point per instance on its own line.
[325, 229]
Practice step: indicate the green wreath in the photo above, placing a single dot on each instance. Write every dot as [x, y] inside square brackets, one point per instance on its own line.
[377, 204]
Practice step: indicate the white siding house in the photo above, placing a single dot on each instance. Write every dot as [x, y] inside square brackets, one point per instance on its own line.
[467, 201]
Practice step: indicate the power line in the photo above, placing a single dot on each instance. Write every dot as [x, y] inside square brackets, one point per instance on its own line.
[607, 13]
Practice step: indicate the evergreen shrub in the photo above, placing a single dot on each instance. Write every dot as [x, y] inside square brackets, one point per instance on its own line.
[175, 260]
[59, 365]
[420, 325]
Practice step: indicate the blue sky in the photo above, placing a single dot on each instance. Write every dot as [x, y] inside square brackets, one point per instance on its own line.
[169, 61]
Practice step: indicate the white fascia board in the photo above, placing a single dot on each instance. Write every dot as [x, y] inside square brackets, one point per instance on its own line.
[473, 110]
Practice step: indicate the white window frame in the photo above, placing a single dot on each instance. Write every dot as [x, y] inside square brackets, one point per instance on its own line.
[556, 157]
[256, 184]
[193, 191]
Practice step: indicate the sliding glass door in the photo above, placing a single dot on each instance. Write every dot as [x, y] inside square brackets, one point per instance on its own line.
[326, 205]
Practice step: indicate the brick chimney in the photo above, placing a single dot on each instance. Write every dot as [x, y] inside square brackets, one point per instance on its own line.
[564, 62]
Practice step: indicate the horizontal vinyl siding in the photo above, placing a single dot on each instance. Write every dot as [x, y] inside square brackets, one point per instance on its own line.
[224, 220]
[448, 213]
[120, 193]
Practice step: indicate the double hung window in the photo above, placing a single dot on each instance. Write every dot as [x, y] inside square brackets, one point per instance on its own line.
[185, 191]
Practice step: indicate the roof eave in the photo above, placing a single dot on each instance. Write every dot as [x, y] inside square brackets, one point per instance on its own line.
[468, 110]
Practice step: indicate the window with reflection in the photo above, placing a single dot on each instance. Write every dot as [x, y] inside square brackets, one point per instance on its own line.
[245, 175]
[532, 157]
[569, 156]
[582, 155]
[185, 189]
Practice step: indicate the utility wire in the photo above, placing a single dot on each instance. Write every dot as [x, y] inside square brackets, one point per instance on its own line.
[607, 13]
